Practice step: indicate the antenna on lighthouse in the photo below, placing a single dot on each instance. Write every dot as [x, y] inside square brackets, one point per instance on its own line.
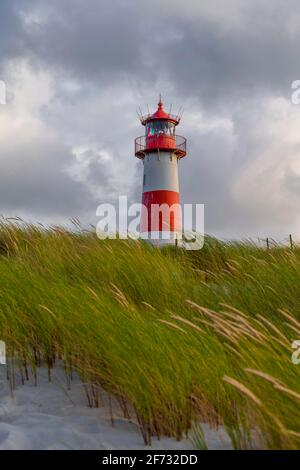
[180, 113]
[140, 114]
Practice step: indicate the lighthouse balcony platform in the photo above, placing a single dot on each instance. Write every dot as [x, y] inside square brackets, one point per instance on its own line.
[161, 142]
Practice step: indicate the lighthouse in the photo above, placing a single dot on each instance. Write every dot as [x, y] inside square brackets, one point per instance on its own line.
[160, 149]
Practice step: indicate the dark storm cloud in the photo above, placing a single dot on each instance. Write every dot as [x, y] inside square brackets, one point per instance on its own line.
[37, 183]
[225, 61]
[203, 60]
[11, 40]
[218, 68]
[91, 40]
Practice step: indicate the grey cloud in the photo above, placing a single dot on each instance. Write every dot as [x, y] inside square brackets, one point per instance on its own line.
[90, 40]
[11, 39]
[33, 177]
[204, 61]
[122, 52]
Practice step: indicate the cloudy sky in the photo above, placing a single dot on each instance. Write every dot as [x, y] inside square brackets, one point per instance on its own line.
[77, 70]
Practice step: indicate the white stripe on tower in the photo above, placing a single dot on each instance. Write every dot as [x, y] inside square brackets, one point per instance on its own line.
[160, 172]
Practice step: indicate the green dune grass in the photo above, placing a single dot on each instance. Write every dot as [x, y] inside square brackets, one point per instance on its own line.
[176, 337]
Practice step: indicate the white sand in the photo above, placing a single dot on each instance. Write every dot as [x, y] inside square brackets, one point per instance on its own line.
[51, 417]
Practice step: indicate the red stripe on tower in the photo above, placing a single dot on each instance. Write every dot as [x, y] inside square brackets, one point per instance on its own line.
[161, 212]
[160, 149]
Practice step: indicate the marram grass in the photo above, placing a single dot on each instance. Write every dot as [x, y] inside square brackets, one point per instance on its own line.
[178, 338]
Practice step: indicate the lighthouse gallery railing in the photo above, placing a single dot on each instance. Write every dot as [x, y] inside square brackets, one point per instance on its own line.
[144, 144]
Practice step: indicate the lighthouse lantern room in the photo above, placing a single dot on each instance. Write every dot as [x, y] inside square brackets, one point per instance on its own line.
[160, 150]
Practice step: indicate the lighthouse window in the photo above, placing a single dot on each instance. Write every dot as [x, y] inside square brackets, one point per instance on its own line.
[165, 127]
[150, 130]
[160, 127]
[171, 128]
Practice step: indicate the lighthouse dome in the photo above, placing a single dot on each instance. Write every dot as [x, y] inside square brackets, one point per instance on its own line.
[161, 114]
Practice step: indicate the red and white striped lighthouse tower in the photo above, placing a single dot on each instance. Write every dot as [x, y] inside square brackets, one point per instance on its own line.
[160, 149]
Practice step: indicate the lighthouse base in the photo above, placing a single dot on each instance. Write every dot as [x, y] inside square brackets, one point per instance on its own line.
[161, 239]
